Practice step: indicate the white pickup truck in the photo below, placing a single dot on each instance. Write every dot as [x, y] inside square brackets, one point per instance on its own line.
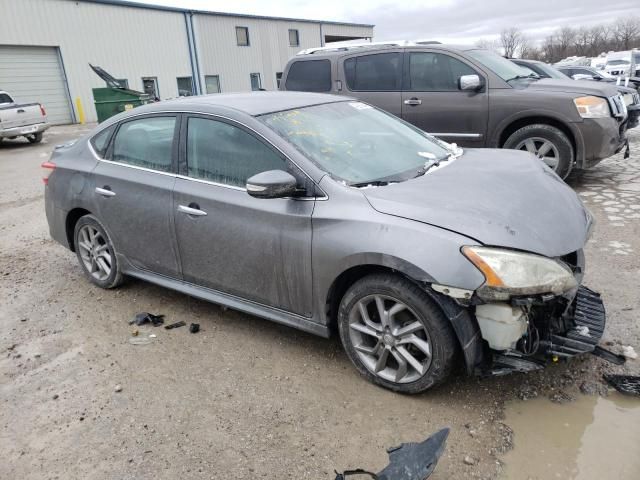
[27, 120]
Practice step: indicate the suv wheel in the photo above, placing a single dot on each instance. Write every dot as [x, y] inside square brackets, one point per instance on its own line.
[547, 143]
[96, 253]
[35, 138]
[395, 335]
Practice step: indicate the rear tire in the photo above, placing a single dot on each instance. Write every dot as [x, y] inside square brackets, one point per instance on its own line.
[35, 138]
[95, 253]
[548, 143]
[390, 348]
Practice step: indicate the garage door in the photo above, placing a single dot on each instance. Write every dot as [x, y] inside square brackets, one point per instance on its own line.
[34, 74]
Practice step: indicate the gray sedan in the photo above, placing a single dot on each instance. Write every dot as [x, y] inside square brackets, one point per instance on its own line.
[327, 214]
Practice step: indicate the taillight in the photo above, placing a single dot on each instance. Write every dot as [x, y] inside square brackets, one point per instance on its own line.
[44, 114]
[49, 168]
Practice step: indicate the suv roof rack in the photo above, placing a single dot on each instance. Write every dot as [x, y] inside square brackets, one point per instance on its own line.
[354, 46]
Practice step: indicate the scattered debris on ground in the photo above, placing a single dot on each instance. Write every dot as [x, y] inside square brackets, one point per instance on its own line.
[175, 325]
[146, 317]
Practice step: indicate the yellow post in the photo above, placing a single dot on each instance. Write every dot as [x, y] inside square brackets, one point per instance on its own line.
[80, 110]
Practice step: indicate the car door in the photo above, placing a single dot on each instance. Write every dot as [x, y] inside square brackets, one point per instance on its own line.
[256, 249]
[133, 186]
[433, 101]
[376, 79]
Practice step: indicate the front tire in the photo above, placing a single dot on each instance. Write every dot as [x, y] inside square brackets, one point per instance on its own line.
[95, 253]
[395, 335]
[547, 143]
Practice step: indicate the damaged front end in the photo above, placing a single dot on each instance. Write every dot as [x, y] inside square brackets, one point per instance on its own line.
[531, 310]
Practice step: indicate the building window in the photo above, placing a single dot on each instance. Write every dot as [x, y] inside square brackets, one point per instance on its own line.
[294, 38]
[212, 83]
[256, 83]
[242, 36]
[278, 79]
[123, 82]
[185, 86]
[150, 87]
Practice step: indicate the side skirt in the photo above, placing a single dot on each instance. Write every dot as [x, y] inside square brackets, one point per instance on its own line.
[231, 301]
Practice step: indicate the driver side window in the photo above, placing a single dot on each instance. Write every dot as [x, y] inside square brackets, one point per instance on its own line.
[226, 154]
[435, 72]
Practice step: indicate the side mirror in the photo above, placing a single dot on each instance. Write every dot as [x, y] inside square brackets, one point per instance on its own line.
[469, 82]
[272, 184]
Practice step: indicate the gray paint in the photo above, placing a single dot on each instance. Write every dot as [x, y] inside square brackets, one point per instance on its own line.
[279, 258]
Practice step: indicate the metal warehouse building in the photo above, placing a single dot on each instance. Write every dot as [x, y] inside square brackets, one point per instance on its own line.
[46, 47]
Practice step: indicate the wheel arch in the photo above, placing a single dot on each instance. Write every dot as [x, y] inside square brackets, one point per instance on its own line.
[464, 324]
[73, 216]
[512, 125]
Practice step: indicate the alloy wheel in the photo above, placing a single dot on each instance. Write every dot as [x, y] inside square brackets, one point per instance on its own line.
[94, 252]
[389, 339]
[543, 149]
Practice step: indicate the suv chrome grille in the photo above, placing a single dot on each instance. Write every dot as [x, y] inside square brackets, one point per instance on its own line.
[618, 108]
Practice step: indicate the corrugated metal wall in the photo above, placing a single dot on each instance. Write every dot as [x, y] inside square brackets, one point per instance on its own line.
[133, 43]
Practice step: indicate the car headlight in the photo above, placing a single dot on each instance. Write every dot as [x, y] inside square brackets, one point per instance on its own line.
[628, 99]
[509, 273]
[592, 107]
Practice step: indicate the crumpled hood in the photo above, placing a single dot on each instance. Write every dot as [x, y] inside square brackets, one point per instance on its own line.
[502, 198]
[579, 87]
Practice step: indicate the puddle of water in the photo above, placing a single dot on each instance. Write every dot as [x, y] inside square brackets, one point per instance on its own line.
[589, 439]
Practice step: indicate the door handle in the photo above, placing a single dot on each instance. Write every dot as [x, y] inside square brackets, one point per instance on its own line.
[413, 101]
[20, 110]
[105, 191]
[192, 209]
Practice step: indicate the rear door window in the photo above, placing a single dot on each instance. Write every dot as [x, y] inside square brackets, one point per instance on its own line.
[146, 142]
[377, 72]
[100, 142]
[223, 153]
[309, 76]
[435, 72]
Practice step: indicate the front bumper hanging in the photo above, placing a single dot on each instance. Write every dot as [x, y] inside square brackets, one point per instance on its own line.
[583, 337]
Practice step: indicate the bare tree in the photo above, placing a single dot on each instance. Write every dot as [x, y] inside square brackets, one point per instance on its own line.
[488, 44]
[626, 31]
[511, 39]
[565, 39]
[527, 50]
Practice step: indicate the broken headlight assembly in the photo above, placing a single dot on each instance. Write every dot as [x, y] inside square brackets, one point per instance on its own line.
[509, 273]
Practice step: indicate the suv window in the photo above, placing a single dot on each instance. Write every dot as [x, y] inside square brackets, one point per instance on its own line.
[376, 72]
[435, 72]
[309, 76]
[147, 142]
[223, 153]
[100, 142]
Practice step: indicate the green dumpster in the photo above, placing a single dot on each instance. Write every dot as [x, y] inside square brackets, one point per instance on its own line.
[111, 101]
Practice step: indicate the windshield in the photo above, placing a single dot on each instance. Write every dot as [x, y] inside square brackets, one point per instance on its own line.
[357, 143]
[551, 72]
[502, 67]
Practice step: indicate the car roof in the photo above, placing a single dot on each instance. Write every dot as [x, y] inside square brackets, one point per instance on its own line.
[251, 103]
[341, 51]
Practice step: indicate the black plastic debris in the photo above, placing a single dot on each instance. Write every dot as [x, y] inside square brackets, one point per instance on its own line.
[627, 384]
[146, 317]
[409, 461]
[194, 327]
[175, 325]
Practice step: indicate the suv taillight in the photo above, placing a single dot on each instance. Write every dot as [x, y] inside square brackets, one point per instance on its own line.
[42, 111]
[49, 167]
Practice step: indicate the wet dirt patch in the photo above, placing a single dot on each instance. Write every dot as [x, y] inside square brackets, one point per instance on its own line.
[591, 438]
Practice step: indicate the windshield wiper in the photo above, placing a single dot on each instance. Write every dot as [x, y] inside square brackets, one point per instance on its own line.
[371, 183]
[530, 76]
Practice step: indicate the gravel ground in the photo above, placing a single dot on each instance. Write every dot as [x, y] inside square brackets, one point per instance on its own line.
[244, 398]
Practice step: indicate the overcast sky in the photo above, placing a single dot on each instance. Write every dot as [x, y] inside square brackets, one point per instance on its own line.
[462, 21]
